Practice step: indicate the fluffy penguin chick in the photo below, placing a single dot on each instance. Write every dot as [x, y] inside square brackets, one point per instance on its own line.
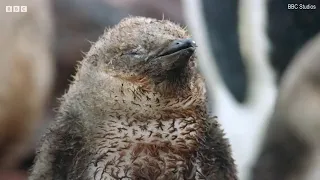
[136, 110]
[291, 149]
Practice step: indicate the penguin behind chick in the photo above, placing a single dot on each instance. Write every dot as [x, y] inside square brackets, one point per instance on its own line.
[25, 75]
[291, 148]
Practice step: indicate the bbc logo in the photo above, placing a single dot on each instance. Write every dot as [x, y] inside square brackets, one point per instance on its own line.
[16, 8]
[293, 6]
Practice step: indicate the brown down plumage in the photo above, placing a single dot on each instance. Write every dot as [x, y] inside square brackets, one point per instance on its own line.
[136, 110]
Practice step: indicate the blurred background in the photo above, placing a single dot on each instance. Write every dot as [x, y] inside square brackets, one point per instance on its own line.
[246, 48]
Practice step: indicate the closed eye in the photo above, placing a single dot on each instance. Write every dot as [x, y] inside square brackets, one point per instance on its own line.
[133, 53]
[136, 51]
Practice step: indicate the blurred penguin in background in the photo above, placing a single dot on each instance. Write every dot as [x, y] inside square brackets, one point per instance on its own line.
[245, 46]
[25, 77]
[291, 149]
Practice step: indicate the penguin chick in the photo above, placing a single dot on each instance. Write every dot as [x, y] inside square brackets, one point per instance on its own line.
[136, 110]
[291, 148]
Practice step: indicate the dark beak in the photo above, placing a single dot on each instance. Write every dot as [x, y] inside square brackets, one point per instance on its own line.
[177, 53]
[179, 45]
